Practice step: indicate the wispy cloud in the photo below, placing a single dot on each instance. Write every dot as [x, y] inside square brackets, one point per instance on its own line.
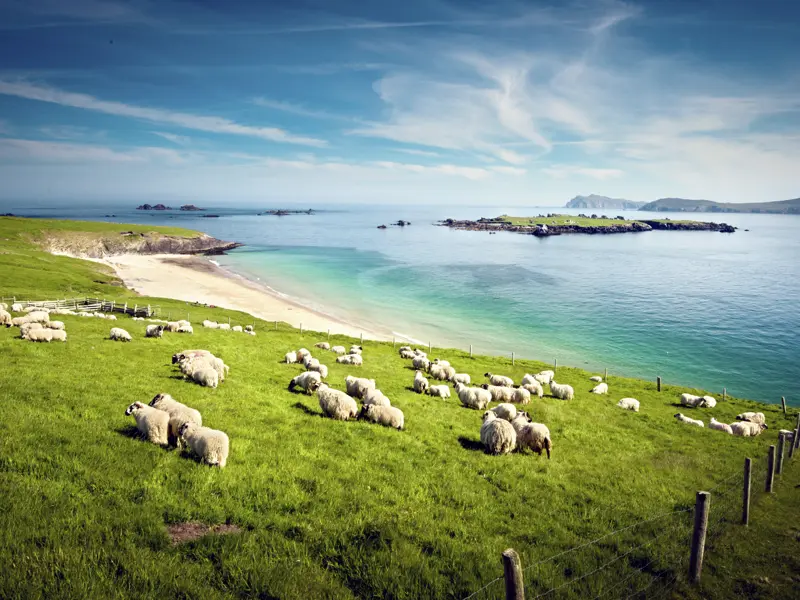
[565, 171]
[39, 151]
[212, 124]
[5, 127]
[297, 109]
[180, 140]
[334, 68]
[50, 14]
[416, 152]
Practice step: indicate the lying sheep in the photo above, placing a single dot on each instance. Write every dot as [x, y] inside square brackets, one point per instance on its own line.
[56, 325]
[210, 445]
[420, 362]
[440, 391]
[407, 354]
[499, 393]
[335, 404]
[319, 368]
[302, 353]
[350, 359]
[153, 424]
[39, 335]
[249, 329]
[237, 328]
[58, 335]
[178, 415]
[600, 388]
[5, 318]
[747, 429]
[250, 332]
[308, 381]
[497, 435]
[339, 350]
[534, 388]
[505, 411]
[290, 358]
[442, 373]
[225, 326]
[753, 417]
[154, 331]
[210, 324]
[629, 404]
[533, 436]
[684, 419]
[499, 380]
[421, 384]
[120, 335]
[462, 378]
[714, 424]
[375, 396]
[355, 349]
[205, 376]
[596, 379]
[323, 345]
[472, 397]
[180, 356]
[388, 416]
[358, 386]
[561, 391]
[693, 401]
[544, 377]
[184, 328]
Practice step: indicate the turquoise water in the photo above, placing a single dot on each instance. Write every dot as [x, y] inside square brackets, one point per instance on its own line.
[698, 308]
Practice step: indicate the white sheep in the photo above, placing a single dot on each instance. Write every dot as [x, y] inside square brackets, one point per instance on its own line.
[205, 376]
[210, 324]
[120, 335]
[497, 435]
[375, 396]
[323, 345]
[5, 318]
[225, 326]
[462, 378]
[421, 384]
[596, 379]
[38, 316]
[308, 381]
[419, 352]
[154, 331]
[420, 362]
[185, 328]
[534, 388]
[472, 397]
[38, 335]
[178, 415]
[747, 429]
[26, 327]
[319, 368]
[16, 307]
[56, 325]
[339, 350]
[302, 353]
[499, 393]
[210, 445]
[629, 404]
[3, 306]
[407, 354]
[355, 349]
[388, 416]
[350, 359]
[533, 436]
[709, 402]
[335, 404]
[441, 363]
[180, 356]
[500, 380]
[152, 423]
[310, 361]
[358, 386]
[440, 391]
[58, 335]
[111, 317]
[600, 388]
[545, 377]
[442, 373]
[714, 424]
[404, 348]
[190, 363]
[562, 391]
[251, 332]
[237, 328]
[249, 329]
[505, 411]
[753, 417]
[693, 401]
[290, 358]
[522, 396]
[684, 419]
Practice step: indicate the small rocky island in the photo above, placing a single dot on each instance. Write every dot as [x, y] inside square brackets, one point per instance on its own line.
[153, 207]
[282, 212]
[190, 207]
[557, 224]
[399, 223]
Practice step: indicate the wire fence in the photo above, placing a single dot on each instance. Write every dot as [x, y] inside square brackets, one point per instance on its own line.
[88, 305]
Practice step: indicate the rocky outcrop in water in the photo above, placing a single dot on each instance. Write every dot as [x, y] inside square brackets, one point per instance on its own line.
[282, 212]
[190, 207]
[691, 226]
[128, 242]
[153, 207]
[538, 230]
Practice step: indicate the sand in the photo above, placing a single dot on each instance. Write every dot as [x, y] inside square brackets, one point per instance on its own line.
[196, 279]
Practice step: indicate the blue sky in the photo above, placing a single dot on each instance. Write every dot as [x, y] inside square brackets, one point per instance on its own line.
[448, 102]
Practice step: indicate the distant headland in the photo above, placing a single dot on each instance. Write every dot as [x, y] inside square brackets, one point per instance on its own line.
[684, 205]
[282, 212]
[189, 207]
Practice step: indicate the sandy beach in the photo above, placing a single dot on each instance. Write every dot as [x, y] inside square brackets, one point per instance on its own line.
[196, 279]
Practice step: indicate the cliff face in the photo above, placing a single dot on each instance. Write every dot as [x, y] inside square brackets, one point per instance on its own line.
[595, 201]
[92, 246]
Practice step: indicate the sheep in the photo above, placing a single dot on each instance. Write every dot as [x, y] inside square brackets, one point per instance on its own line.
[421, 384]
[350, 359]
[119, 335]
[16, 307]
[472, 397]
[185, 328]
[38, 316]
[402, 348]
[319, 368]
[249, 329]
[358, 386]
[225, 326]
[420, 362]
[58, 335]
[172, 326]
[388, 416]
[375, 396]
[251, 332]
[26, 327]
[753, 417]
[355, 349]
[693, 401]
[178, 415]
[154, 331]
[39, 335]
[192, 364]
[441, 363]
[237, 328]
[709, 402]
[205, 376]
[310, 361]
[561, 391]
[407, 354]
[499, 380]
[442, 373]
[210, 445]
[600, 388]
[153, 424]
[5, 318]
[505, 411]
[308, 381]
[462, 378]
[534, 388]
[440, 391]
[3, 306]
[684, 419]
[322, 345]
[629, 404]
[522, 396]
[499, 393]
[335, 404]
[596, 379]
[56, 325]
[210, 324]
[111, 317]
[418, 352]
[528, 379]
[747, 429]
[545, 377]
[714, 424]
[533, 436]
[302, 353]
[339, 350]
[180, 356]
[290, 358]
[497, 435]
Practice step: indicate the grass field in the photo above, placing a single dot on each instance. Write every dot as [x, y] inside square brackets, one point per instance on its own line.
[563, 220]
[344, 510]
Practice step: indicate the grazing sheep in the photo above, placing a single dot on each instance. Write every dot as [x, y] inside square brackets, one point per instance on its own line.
[561, 391]
[499, 380]
[154, 331]
[210, 324]
[377, 397]
[350, 359]
[323, 345]
[38, 316]
[388, 416]
[522, 396]
[190, 363]
[544, 377]
[472, 397]
[172, 326]
[205, 376]
[120, 335]
[528, 379]
[442, 373]
[505, 411]
[684, 419]
[497, 435]
[319, 368]
[693, 401]
[753, 417]
[310, 361]
[714, 424]
[534, 388]
[747, 429]
[152, 423]
[237, 328]
[302, 353]
[56, 325]
[5, 318]
[249, 329]
[225, 326]
[407, 354]
[419, 352]
[462, 378]
[499, 393]
[441, 363]
[440, 391]
[629, 404]
[355, 349]
[290, 358]
[308, 381]
[178, 415]
[596, 379]
[339, 350]
[180, 356]
[600, 388]
[26, 327]
[58, 335]
[358, 386]
[210, 445]
[111, 317]
[420, 362]
[404, 348]
[39, 335]
[335, 404]
[533, 436]
[184, 328]
[421, 384]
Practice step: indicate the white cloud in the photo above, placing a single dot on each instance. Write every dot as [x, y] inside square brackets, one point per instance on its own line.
[565, 171]
[181, 140]
[297, 109]
[22, 89]
[22, 150]
[416, 152]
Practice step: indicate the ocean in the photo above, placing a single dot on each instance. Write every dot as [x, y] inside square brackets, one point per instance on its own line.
[700, 309]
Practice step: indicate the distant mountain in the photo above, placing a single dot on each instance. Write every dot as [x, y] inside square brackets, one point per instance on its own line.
[595, 201]
[684, 205]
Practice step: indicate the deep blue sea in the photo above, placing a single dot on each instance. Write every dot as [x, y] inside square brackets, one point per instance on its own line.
[698, 308]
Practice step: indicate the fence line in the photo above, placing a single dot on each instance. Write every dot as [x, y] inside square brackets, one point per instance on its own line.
[91, 305]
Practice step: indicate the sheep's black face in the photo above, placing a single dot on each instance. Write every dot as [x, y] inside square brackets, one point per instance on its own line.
[130, 409]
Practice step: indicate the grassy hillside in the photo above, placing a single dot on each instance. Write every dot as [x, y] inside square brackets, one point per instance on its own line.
[684, 205]
[341, 510]
[562, 220]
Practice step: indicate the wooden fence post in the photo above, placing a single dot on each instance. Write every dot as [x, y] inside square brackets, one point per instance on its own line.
[796, 443]
[301, 328]
[724, 393]
[512, 359]
[362, 338]
[658, 383]
[791, 444]
[470, 350]
[770, 470]
[783, 405]
[555, 365]
[746, 492]
[606, 375]
[512, 572]
[779, 462]
[329, 334]
[276, 326]
[701, 507]
[429, 347]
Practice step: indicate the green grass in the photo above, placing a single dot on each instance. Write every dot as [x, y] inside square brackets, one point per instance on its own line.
[331, 509]
[562, 220]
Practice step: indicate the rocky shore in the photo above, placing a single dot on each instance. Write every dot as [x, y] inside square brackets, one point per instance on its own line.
[494, 225]
[128, 242]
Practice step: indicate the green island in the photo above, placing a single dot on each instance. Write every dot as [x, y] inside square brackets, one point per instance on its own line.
[316, 508]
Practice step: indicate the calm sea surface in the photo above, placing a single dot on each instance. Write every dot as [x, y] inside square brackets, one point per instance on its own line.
[698, 308]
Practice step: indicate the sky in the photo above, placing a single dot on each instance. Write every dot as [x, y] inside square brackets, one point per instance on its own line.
[446, 102]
